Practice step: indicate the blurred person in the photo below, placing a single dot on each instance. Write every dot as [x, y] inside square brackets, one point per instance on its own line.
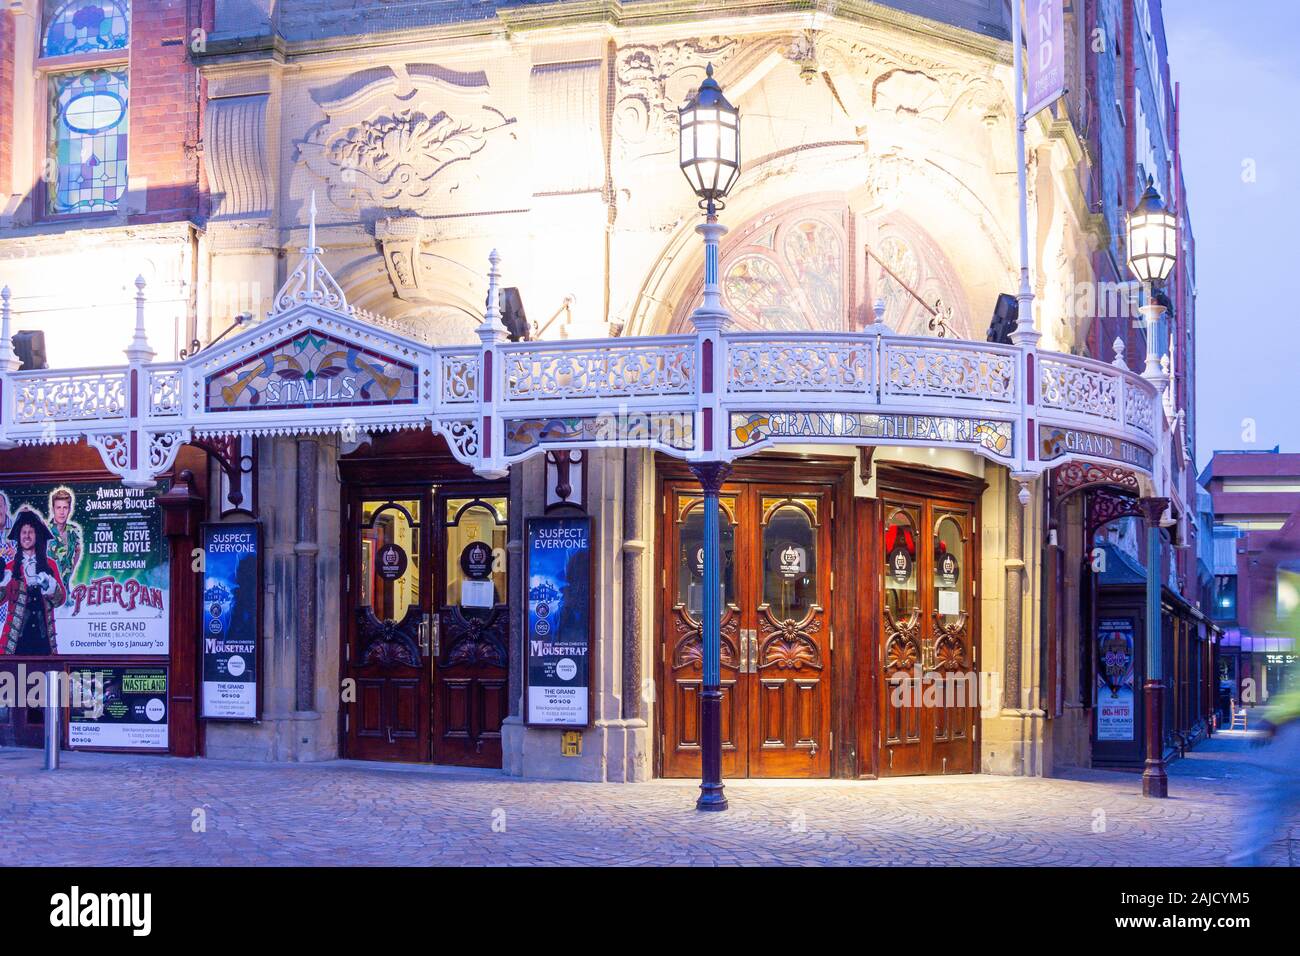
[1276, 798]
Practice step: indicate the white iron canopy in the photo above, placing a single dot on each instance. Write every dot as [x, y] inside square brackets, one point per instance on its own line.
[318, 365]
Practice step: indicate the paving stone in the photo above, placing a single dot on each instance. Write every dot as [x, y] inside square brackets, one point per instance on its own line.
[113, 809]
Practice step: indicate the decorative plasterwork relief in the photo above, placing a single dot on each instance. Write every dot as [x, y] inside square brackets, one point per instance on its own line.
[653, 80]
[448, 294]
[402, 137]
[895, 81]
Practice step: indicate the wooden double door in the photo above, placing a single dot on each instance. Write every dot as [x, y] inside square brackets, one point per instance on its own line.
[776, 629]
[426, 628]
[929, 689]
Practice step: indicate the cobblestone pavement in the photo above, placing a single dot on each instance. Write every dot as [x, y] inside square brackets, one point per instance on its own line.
[130, 810]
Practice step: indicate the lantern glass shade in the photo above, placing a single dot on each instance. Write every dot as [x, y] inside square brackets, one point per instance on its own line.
[1152, 238]
[710, 142]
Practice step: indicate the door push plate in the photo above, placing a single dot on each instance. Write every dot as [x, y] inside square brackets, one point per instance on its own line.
[748, 650]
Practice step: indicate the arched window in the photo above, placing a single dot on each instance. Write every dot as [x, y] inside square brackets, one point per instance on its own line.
[86, 159]
[814, 265]
[85, 26]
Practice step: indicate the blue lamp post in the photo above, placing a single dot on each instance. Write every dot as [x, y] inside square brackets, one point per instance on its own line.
[710, 159]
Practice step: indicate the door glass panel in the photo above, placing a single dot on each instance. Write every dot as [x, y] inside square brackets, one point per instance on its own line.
[476, 553]
[900, 564]
[789, 559]
[390, 557]
[690, 553]
[949, 568]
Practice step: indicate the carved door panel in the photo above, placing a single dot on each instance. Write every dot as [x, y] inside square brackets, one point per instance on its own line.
[952, 710]
[472, 633]
[682, 648]
[902, 717]
[788, 672]
[386, 654]
[930, 699]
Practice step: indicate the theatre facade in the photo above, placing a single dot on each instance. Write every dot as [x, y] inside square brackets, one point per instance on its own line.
[398, 524]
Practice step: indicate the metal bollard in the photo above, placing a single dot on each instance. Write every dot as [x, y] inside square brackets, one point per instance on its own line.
[53, 723]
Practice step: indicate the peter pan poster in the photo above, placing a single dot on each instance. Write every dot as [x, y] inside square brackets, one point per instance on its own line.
[559, 620]
[1115, 711]
[84, 570]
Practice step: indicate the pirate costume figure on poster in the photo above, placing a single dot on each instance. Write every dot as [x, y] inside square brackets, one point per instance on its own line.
[65, 543]
[7, 547]
[32, 588]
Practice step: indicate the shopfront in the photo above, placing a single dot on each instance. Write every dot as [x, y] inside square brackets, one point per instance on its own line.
[94, 590]
[494, 555]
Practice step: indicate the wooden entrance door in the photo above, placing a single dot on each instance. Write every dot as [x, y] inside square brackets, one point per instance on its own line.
[387, 651]
[472, 631]
[928, 714]
[776, 634]
[427, 624]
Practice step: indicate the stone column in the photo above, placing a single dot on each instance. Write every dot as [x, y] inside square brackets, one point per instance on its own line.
[305, 550]
[634, 546]
[1015, 564]
[518, 587]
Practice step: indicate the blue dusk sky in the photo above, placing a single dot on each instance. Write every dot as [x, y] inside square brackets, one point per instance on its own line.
[1238, 65]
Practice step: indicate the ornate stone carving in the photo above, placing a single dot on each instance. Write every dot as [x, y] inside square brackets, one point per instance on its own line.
[653, 80]
[417, 124]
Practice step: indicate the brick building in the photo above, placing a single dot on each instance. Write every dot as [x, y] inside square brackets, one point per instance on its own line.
[1256, 588]
[100, 172]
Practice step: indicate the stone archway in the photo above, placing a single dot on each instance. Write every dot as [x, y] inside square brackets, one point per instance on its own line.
[817, 263]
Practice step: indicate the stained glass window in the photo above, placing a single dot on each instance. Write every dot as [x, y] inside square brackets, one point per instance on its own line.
[87, 140]
[86, 26]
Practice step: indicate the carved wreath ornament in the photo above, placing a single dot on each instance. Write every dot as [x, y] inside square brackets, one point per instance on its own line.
[398, 156]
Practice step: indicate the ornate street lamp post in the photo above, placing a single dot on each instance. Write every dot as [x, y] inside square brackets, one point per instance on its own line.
[1152, 251]
[710, 160]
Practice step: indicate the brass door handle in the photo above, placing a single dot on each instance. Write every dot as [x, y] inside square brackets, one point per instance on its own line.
[753, 650]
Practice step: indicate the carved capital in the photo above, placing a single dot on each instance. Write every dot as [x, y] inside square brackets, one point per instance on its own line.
[712, 475]
[1153, 509]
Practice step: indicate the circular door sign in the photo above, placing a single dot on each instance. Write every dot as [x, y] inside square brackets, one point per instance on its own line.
[899, 561]
[791, 561]
[392, 562]
[948, 568]
[476, 561]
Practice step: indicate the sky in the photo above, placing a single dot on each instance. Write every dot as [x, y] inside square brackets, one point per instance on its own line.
[1238, 66]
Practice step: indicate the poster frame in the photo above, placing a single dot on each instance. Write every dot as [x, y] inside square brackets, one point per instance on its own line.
[74, 476]
[260, 530]
[551, 519]
[65, 713]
